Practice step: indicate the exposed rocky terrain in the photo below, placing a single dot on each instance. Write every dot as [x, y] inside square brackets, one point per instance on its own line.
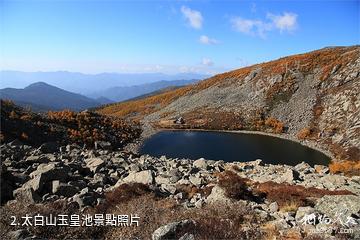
[312, 96]
[277, 196]
[79, 163]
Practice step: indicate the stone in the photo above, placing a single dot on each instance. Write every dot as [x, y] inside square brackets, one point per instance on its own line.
[169, 231]
[26, 194]
[187, 236]
[94, 164]
[304, 168]
[15, 143]
[199, 203]
[274, 207]
[37, 159]
[162, 180]
[49, 147]
[103, 145]
[288, 176]
[332, 205]
[51, 172]
[169, 188]
[200, 163]
[217, 195]
[144, 177]
[302, 212]
[179, 120]
[197, 181]
[37, 183]
[179, 196]
[63, 189]
[321, 169]
[18, 234]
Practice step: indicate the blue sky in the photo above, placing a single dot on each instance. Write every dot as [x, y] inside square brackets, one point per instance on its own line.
[167, 36]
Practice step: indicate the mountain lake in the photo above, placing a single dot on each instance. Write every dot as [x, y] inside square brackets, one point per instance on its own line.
[230, 146]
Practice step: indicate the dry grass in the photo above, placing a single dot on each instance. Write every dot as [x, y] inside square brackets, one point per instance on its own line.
[212, 221]
[290, 206]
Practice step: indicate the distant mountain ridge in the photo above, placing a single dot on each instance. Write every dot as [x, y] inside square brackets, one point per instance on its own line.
[41, 96]
[129, 92]
[87, 83]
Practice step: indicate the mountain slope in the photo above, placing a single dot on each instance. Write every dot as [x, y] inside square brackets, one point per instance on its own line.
[312, 96]
[42, 96]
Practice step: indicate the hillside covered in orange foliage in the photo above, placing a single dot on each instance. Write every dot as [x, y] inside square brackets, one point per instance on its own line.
[311, 97]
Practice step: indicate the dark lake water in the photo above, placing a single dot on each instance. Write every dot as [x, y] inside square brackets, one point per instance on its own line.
[230, 147]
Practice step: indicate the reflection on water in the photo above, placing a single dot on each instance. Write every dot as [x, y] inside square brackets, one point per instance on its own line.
[230, 147]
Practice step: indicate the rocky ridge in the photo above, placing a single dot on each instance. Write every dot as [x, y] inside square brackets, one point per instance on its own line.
[82, 177]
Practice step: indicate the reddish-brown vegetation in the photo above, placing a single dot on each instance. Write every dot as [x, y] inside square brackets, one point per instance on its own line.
[64, 127]
[276, 125]
[235, 187]
[347, 167]
[295, 195]
[304, 133]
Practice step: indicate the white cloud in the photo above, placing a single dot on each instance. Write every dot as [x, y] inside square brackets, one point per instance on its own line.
[285, 22]
[255, 27]
[206, 40]
[194, 17]
[207, 62]
[250, 26]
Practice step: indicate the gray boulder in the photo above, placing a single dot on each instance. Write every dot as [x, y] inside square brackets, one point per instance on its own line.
[144, 177]
[197, 181]
[200, 163]
[19, 234]
[170, 230]
[37, 159]
[51, 172]
[274, 207]
[304, 168]
[94, 164]
[217, 195]
[26, 194]
[302, 211]
[49, 147]
[103, 145]
[63, 189]
[187, 236]
[37, 183]
[332, 206]
[288, 176]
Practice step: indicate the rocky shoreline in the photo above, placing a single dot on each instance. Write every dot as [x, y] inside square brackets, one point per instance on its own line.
[83, 177]
[148, 131]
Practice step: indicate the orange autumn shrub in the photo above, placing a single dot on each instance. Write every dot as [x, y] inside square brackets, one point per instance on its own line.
[276, 125]
[304, 133]
[347, 167]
